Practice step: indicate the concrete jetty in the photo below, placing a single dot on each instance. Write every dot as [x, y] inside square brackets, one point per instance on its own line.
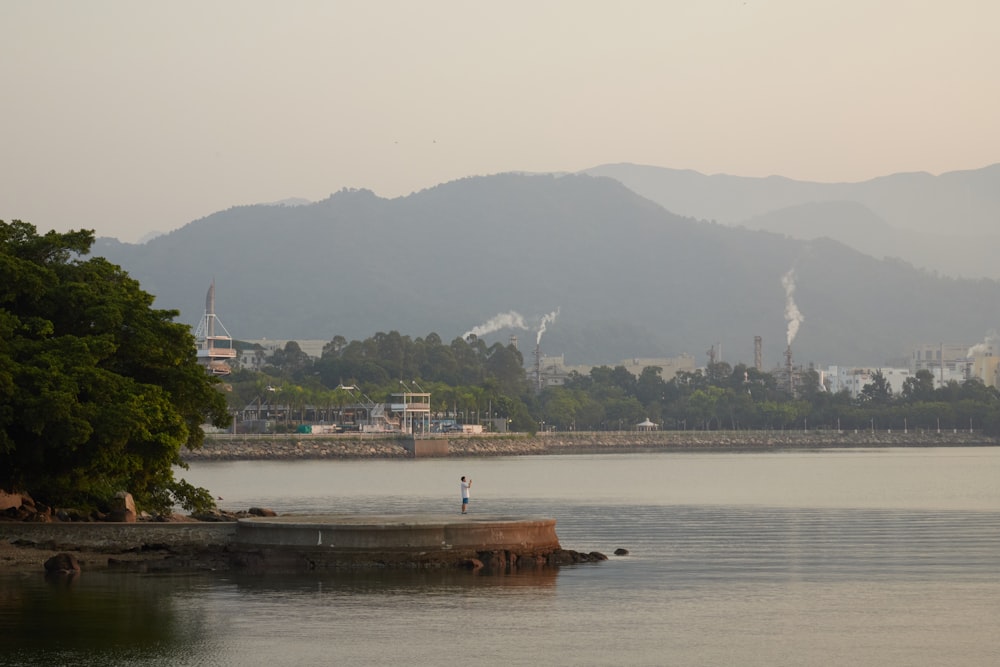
[302, 543]
[312, 542]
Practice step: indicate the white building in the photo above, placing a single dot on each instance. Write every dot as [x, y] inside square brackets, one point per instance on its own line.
[854, 379]
[948, 362]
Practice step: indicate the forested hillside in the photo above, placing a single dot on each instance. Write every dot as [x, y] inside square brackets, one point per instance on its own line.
[625, 277]
[945, 223]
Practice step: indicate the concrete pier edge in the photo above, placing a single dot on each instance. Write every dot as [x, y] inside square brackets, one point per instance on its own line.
[296, 543]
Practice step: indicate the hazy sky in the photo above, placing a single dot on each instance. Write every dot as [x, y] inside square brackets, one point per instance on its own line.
[128, 117]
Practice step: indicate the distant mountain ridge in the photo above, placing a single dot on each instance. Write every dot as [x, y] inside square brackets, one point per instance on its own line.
[629, 278]
[948, 223]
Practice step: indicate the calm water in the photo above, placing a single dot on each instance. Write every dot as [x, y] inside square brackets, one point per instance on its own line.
[795, 558]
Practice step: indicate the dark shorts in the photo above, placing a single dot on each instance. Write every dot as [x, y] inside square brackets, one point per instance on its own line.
[465, 501]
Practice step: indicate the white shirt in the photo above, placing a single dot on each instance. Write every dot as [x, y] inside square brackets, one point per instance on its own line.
[465, 488]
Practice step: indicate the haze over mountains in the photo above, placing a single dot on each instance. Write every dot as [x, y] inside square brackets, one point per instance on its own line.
[948, 223]
[618, 275]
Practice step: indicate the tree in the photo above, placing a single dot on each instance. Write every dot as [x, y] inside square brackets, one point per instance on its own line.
[560, 408]
[650, 386]
[878, 391]
[506, 365]
[290, 361]
[920, 387]
[99, 391]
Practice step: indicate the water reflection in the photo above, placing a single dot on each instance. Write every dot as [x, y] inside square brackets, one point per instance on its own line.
[95, 617]
[124, 618]
[889, 559]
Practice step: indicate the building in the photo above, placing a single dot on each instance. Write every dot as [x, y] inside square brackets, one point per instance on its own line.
[984, 361]
[949, 362]
[214, 344]
[554, 371]
[854, 379]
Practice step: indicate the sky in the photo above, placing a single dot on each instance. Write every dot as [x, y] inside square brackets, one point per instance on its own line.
[135, 117]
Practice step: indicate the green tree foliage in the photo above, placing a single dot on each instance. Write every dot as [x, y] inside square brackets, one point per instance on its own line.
[471, 381]
[878, 391]
[920, 387]
[289, 361]
[98, 391]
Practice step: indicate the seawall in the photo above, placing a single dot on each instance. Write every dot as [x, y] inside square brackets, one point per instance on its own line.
[354, 446]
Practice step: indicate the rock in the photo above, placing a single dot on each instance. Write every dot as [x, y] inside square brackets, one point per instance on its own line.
[9, 500]
[214, 515]
[529, 562]
[621, 552]
[563, 557]
[123, 508]
[472, 564]
[62, 563]
[261, 511]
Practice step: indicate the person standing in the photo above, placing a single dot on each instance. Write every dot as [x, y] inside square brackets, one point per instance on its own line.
[466, 485]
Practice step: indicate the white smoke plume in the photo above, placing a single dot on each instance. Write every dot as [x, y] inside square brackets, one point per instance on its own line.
[977, 350]
[509, 320]
[792, 314]
[989, 345]
[546, 321]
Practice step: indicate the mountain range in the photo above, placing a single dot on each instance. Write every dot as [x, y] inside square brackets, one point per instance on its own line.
[582, 266]
[948, 223]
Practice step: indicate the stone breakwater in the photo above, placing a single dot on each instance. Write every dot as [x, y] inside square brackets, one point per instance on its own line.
[252, 448]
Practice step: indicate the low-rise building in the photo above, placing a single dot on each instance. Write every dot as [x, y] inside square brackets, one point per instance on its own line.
[947, 361]
[854, 378]
[554, 370]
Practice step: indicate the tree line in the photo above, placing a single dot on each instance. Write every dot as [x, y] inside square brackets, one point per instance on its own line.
[472, 380]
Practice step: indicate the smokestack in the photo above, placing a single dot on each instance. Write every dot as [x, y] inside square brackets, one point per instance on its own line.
[788, 365]
[758, 357]
[538, 368]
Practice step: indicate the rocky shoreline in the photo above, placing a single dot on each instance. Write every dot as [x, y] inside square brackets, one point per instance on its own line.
[368, 446]
[185, 544]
